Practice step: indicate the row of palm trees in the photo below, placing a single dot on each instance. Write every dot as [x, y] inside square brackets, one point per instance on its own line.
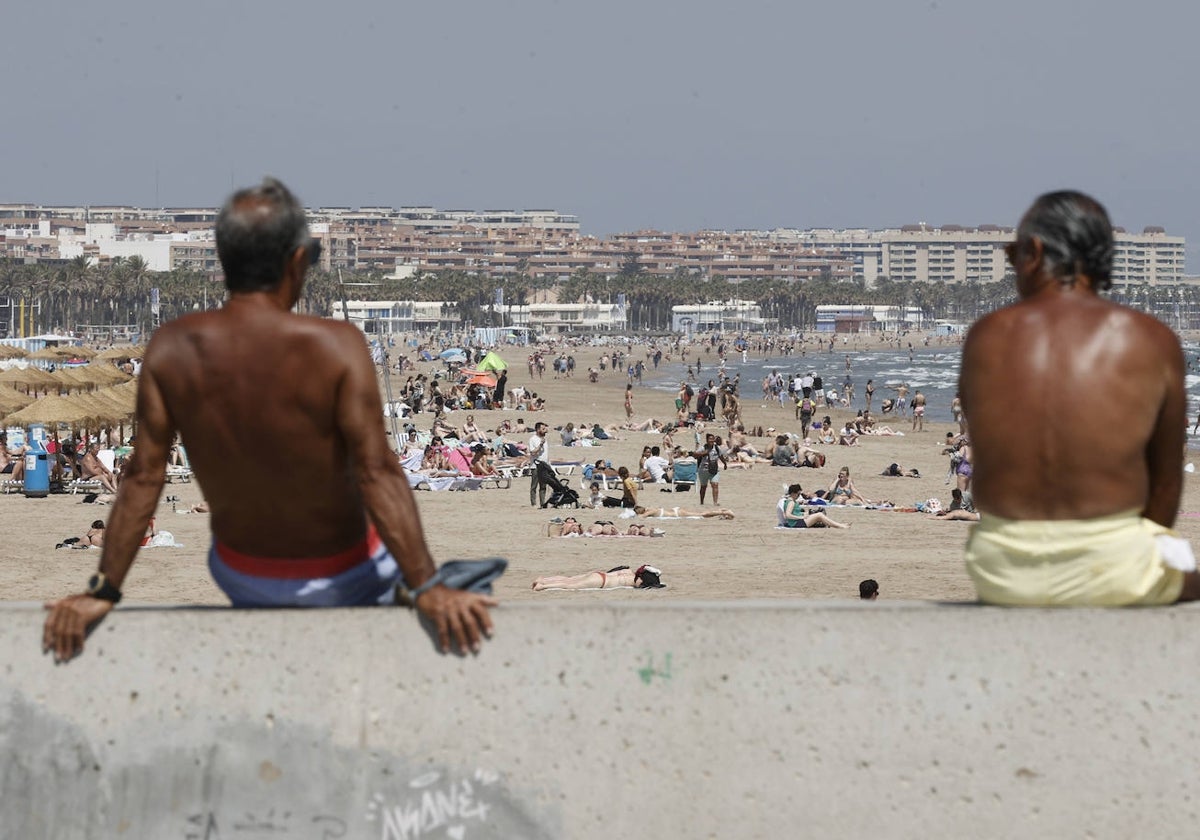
[66, 295]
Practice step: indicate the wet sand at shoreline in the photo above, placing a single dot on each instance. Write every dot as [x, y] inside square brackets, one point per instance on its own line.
[912, 556]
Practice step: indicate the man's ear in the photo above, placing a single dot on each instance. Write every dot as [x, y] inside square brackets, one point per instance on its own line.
[1036, 253]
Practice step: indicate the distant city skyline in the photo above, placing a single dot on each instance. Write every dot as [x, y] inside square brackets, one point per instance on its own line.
[664, 115]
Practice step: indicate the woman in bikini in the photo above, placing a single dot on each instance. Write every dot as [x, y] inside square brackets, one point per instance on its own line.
[646, 577]
[843, 492]
[684, 513]
[471, 433]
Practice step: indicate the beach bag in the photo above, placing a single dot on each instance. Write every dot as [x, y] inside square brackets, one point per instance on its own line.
[933, 506]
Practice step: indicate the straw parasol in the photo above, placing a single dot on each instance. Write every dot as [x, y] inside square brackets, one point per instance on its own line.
[76, 351]
[8, 351]
[127, 352]
[28, 376]
[12, 399]
[100, 373]
[46, 354]
[50, 410]
[70, 379]
[105, 407]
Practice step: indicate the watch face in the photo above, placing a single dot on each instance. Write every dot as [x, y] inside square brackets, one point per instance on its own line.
[95, 582]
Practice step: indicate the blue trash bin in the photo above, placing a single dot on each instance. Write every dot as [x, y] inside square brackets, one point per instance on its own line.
[37, 471]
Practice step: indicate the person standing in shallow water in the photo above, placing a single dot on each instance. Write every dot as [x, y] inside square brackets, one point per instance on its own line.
[1078, 514]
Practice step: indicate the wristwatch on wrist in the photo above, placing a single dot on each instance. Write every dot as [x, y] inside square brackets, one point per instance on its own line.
[99, 587]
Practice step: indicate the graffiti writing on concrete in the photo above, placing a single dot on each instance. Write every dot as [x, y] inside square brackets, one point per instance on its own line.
[204, 826]
[433, 804]
[648, 671]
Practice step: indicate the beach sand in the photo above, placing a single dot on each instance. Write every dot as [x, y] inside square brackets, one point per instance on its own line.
[912, 556]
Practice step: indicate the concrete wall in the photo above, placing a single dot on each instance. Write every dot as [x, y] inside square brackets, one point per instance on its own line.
[584, 720]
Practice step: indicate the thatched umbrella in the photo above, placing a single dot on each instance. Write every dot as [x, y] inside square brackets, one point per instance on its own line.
[75, 351]
[105, 407]
[126, 352]
[46, 354]
[51, 410]
[99, 373]
[28, 376]
[8, 351]
[71, 379]
[11, 400]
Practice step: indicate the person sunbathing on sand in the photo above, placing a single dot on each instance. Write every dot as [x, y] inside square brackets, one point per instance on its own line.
[790, 513]
[684, 513]
[93, 537]
[843, 491]
[646, 577]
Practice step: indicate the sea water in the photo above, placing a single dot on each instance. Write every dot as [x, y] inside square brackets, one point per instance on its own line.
[933, 370]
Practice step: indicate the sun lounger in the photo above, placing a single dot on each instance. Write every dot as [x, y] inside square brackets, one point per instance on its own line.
[11, 486]
[83, 485]
[178, 474]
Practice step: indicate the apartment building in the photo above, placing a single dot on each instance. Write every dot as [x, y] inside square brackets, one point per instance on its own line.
[546, 245]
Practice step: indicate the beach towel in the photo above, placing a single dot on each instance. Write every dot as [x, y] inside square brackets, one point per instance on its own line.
[1119, 560]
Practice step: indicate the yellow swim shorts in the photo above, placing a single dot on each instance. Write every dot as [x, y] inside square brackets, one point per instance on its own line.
[1112, 561]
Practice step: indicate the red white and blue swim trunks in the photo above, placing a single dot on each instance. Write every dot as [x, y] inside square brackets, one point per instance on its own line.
[363, 575]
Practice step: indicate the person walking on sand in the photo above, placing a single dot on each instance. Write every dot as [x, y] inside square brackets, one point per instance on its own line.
[710, 459]
[629, 401]
[226, 380]
[1079, 513]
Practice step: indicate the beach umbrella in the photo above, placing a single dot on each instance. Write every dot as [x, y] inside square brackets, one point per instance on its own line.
[11, 400]
[46, 354]
[28, 376]
[106, 406]
[52, 409]
[492, 362]
[8, 351]
[481, 379]
[70, 379]
[101, 373]
[118, 353]
[78, 351]
[452, 351]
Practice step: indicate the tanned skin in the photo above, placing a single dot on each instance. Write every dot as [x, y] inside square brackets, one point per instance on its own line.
[281, 416]
[1075, 405]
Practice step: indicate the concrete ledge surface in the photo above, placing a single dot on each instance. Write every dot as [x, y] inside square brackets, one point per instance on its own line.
[759, 719]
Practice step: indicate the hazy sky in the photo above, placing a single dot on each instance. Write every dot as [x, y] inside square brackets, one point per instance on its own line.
[672, 115]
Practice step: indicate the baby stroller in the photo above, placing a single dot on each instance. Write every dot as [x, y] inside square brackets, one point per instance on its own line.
[560, 494]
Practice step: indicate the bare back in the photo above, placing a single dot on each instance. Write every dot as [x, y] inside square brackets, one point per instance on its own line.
[1075, 408]
[255, 394]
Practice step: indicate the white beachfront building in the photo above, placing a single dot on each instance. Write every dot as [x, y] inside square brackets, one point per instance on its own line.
[381, 317]
[849, 317]
[719, 316]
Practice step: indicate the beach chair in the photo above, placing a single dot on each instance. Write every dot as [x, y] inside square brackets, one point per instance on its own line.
[11, 486]
[180, 472]
[684, 476]
[83, 485]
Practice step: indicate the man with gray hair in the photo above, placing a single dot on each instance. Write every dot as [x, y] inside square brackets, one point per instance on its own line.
[1076, 409]
[283, 424]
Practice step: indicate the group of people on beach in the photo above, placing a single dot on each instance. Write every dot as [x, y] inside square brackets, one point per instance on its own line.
[351, 533]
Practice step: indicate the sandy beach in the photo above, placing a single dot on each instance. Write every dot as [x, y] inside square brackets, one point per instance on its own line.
[911, 555]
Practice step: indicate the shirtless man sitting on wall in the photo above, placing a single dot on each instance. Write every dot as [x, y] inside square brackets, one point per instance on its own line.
[252, 371]
[1079, 513]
